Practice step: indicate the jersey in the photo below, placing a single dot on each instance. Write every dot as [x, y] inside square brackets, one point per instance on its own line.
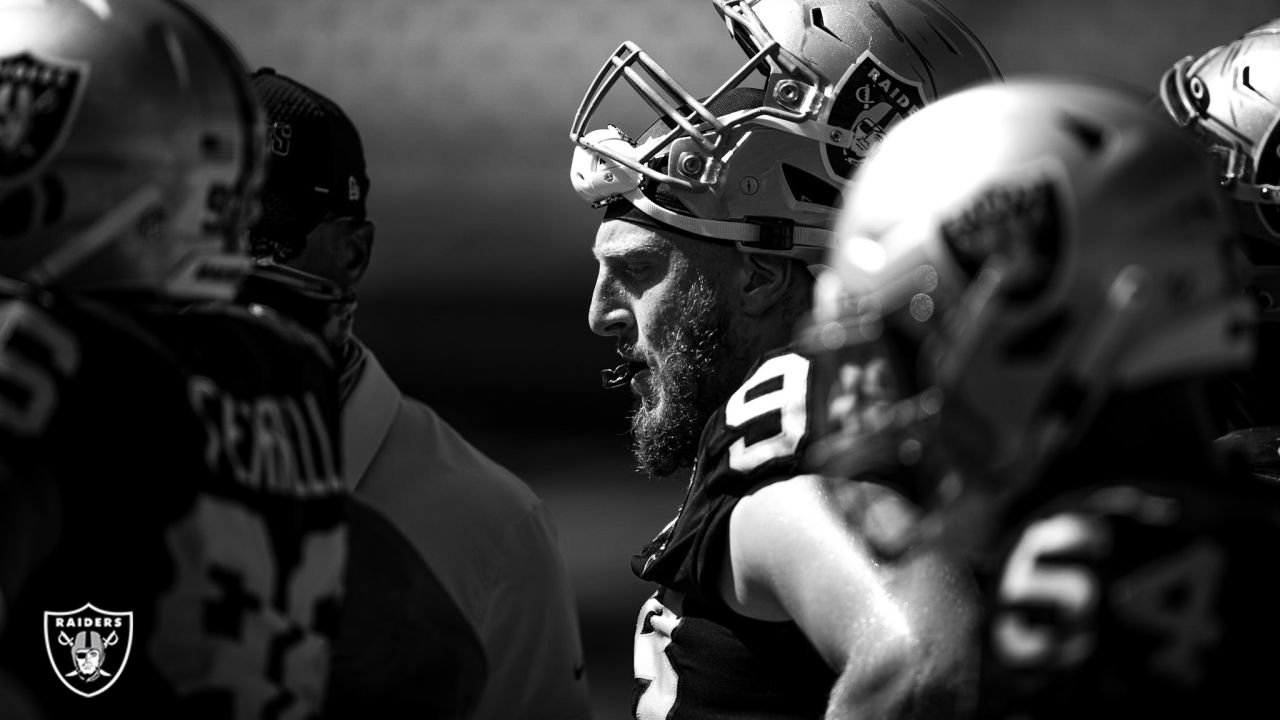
[175, 516]
[1139, 596]
[694, 657]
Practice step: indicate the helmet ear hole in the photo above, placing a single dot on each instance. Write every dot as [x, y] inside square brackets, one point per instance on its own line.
[809, 188]
[816, 16]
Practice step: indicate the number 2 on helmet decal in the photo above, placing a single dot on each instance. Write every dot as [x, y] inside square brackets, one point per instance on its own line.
[791, 374]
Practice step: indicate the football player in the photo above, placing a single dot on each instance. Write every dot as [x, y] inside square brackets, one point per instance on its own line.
[1046, 321]
[766, 599]
[1229, 100]
[169, 465]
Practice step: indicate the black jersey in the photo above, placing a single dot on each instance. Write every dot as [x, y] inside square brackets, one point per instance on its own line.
[1138, 596]
[175, 537]
[694, 657]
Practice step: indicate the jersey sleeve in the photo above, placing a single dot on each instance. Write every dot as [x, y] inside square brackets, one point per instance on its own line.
[758, 437]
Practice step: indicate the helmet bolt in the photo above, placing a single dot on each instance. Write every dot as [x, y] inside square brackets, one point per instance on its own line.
[1197, 87]
[608, 177]
[749, 185]
[788, 93]
[837, 136]
[691, 164]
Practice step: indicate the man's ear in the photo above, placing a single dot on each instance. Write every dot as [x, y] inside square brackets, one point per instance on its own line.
[357, 251]
[766, 280]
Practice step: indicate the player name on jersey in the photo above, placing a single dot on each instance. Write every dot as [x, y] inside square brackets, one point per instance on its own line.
[277, 444]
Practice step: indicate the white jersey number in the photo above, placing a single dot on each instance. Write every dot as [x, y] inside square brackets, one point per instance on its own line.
[791, 374]
[28, 413]
[1173, 595]
[653, 635]
[223, 628]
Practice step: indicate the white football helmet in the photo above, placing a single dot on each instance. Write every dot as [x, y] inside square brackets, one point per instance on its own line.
[131, 148]
[1076, 246]
[763, 167]
[1230, 98]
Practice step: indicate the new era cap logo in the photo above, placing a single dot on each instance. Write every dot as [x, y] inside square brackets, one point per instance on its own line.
[88, 647]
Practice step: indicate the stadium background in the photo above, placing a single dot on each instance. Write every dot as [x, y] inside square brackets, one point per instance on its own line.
[476, 301]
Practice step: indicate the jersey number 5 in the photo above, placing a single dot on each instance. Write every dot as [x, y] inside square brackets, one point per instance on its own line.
[27, 413]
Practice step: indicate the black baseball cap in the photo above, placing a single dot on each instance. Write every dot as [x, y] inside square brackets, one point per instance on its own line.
[315, 165]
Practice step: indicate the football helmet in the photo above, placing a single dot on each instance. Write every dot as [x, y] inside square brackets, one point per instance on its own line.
[1078, 246]
[1229, 98]
[131, 148]
[763, 167]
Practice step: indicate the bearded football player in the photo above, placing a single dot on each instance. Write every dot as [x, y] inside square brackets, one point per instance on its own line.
[766, 598]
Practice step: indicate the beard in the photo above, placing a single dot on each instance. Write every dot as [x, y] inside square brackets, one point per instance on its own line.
[687, 382]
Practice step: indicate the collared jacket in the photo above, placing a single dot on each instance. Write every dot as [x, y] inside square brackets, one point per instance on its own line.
[487, 537]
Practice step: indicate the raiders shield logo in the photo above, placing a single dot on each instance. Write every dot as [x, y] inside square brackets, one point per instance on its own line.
[1021, 222]
[88, 648]
[869, 98]
[38, 100]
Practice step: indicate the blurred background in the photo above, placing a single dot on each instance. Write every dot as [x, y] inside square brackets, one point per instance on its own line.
[476, 302]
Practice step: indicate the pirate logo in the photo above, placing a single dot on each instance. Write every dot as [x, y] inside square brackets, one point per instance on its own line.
[869, 98]
[38, 99]
[1018, 222]
[88, 648]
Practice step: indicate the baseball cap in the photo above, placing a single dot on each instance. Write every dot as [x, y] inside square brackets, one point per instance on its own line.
[315, 164]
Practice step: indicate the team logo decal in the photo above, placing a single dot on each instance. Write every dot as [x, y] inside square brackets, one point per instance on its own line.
[1019, 222]
[869, 98]
[38, 99]
[88, 648]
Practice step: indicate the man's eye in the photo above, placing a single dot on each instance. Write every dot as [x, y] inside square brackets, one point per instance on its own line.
[637, 270]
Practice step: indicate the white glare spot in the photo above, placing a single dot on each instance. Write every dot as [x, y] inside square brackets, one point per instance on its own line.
[865, 254]
[99, 8]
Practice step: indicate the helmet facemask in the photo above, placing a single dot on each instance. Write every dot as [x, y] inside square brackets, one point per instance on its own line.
[767, 175]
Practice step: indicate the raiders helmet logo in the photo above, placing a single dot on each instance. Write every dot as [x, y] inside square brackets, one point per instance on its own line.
[38, 101]
[869, 99]
[1019, 222]
[88, 647]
